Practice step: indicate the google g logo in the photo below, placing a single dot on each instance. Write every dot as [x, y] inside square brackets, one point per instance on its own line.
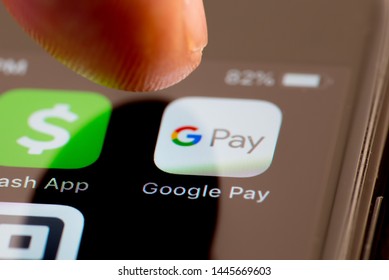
[193, 138]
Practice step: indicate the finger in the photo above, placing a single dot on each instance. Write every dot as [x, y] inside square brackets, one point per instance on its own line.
[133, 45]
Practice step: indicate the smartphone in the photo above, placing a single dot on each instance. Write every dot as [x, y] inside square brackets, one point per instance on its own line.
[271, 149]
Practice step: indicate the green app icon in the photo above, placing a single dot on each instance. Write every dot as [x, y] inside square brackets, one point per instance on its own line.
[52, 128]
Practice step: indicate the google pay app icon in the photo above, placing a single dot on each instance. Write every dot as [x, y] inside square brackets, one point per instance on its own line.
[217, 137]
[52, 128]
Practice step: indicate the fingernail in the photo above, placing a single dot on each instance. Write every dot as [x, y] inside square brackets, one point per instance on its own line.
[196, 25]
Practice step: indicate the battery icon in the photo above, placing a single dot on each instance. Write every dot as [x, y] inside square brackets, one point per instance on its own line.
[302, 80]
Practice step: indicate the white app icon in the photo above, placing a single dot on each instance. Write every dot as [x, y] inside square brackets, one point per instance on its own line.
[217, 137]
[39, 231]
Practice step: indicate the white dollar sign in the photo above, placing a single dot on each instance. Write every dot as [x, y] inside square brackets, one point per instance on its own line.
[37, 121]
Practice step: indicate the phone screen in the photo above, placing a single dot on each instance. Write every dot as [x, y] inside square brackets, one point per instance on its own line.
[242, 160]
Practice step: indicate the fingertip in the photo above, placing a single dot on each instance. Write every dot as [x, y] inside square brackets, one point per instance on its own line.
[137, 45]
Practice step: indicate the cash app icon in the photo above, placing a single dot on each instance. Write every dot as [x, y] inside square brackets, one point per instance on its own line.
[52, 128]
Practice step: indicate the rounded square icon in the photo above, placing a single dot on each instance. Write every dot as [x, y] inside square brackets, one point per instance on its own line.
[52, 128]
[39, 231]
[217, 137]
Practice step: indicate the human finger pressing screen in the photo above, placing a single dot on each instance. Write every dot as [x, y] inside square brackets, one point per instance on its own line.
[132, 45]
